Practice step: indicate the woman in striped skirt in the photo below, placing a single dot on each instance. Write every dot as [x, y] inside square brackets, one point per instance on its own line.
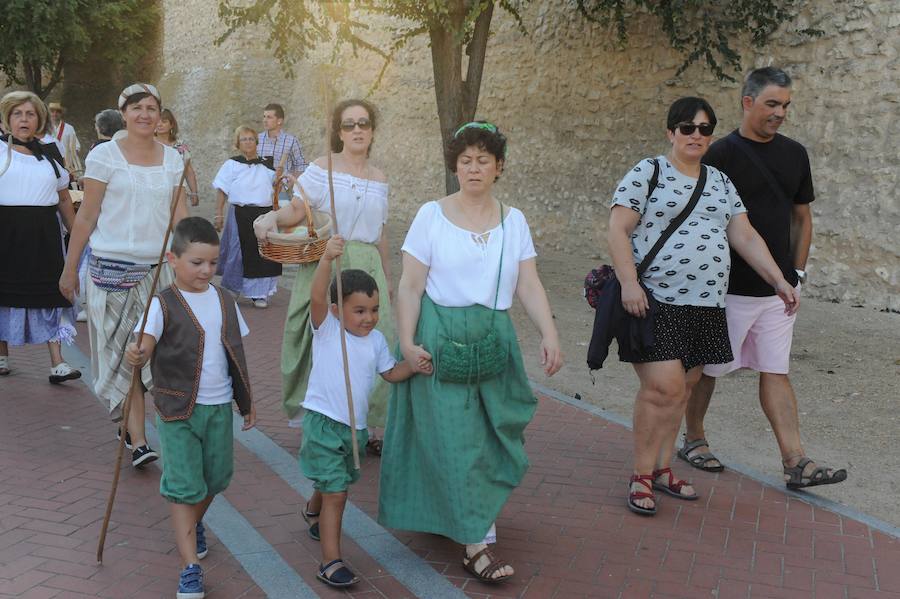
[128, 186]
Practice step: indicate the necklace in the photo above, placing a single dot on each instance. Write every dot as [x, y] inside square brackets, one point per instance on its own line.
[360, 199]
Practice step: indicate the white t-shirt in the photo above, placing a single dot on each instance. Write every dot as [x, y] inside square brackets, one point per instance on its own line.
[361, 205]
[134, 213]
[462, 265]
[368, 357]
[215, 382]
[245, 184]
[693, 265]
[29, 181]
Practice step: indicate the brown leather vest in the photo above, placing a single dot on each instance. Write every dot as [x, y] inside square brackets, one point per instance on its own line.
[178, 358]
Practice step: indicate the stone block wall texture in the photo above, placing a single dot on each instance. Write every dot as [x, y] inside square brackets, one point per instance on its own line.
[579, 112]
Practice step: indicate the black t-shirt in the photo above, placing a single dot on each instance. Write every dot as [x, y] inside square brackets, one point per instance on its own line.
[789, 164]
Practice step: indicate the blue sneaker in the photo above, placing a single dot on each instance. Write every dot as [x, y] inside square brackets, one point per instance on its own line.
[202, 550]
[190, 586]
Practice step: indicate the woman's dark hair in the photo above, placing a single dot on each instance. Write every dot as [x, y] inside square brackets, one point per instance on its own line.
[193, 229]
[492, 142]
[683, 110]
[336, 144]
[166, 115]
[353, 280]
[135, 98]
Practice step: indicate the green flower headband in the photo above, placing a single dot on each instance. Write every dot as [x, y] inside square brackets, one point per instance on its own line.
[484, 126]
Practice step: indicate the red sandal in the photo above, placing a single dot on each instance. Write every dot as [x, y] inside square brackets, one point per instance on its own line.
[673, 487]
[635, 495]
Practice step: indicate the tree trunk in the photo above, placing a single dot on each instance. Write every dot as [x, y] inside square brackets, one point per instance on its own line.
[457, 99]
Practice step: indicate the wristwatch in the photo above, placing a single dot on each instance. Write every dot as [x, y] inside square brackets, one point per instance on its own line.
[801, 276]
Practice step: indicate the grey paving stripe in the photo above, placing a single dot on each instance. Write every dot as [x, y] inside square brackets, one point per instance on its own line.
[408, 568]
[768, 481]
[258, 558]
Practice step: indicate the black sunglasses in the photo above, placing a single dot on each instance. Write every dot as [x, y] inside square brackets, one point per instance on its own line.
[349, 125]
[688, 128]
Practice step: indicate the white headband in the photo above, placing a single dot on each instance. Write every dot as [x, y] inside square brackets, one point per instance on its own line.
[138, 88]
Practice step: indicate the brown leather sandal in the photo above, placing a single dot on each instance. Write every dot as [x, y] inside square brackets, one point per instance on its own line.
[374, 447]
[487, 573]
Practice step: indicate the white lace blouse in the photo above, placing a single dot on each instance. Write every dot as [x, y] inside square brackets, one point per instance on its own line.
[134, 213]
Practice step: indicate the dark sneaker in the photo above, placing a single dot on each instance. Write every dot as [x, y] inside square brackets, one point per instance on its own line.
[142, 456]
[190, 585]
[202, 549]
[127, 438]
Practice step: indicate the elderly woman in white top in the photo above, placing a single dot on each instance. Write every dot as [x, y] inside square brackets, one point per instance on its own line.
[128, 187]
[361, 203]
[33, 190]
[246, 182]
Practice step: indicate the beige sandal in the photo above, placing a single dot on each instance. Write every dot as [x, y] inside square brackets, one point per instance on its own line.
[487, 573]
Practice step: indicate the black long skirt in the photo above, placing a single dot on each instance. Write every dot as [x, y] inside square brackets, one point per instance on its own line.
[31, 257]
[255, 266]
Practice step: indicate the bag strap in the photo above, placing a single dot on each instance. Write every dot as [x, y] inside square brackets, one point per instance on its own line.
[744, 146]
[500, 270]
[675, 223]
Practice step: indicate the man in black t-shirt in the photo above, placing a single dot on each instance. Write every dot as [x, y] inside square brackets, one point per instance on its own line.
[772, 175]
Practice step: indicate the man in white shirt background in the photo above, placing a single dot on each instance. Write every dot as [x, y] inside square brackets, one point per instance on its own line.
[63, 133]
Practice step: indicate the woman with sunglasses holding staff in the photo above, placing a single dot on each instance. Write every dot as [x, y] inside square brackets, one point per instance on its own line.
[454, 450]
[361, 206]
[686, 281]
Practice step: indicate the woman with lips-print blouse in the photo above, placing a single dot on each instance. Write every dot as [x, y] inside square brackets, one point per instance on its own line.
[688, 279]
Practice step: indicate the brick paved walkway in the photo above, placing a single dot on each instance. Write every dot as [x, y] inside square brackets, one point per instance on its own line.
[566, 529]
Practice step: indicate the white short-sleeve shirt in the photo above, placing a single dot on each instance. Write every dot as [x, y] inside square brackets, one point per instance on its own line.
[29, 181]
[134, 213]
[368, 357]
[361, 205]
[245, 184]
[462, 265]
[215, 382]
[693, 265]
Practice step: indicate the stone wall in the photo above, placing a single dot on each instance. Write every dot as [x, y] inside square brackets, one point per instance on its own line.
[578, 113]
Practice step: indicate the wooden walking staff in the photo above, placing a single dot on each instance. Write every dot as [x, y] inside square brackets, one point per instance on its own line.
[340, 287]
[136, 372]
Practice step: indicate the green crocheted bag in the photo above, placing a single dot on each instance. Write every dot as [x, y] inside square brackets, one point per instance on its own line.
[477, 361]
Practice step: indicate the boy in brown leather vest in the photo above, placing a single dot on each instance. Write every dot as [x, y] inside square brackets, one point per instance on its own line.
[193, 337]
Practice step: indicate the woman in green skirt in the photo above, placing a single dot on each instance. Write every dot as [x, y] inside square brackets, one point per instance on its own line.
[361, 205]
[454, 450]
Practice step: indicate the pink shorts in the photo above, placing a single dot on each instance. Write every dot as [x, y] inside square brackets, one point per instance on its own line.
[760, 334]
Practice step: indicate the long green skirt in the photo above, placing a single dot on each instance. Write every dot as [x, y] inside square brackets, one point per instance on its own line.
[296, 350]
[453, 452]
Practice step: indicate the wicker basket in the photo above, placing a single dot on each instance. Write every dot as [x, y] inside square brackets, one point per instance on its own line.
[304, 245]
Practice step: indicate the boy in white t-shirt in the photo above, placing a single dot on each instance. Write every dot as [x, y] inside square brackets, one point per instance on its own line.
[193, 337]
[326, 455]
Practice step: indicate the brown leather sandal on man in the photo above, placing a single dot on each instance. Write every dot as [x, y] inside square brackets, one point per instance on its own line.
[487, 573]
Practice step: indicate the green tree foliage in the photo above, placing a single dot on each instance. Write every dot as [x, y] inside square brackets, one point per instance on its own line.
[39, 37]
[702, 30]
